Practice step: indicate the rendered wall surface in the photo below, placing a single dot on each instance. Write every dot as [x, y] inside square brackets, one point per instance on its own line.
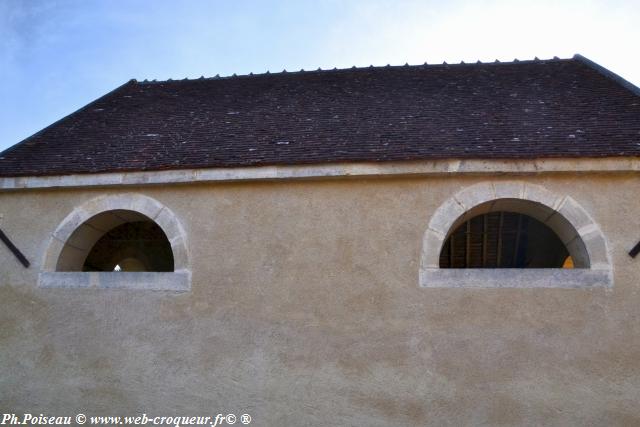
[305, 309]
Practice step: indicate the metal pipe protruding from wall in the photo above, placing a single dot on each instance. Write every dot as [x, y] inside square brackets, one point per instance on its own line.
[635, 251]
[23, 260]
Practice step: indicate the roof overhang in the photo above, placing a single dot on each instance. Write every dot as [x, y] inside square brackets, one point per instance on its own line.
[451, 167]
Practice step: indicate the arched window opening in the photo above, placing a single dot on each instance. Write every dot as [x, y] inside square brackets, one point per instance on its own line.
[503, 240]
[545, 240]
[117, 241]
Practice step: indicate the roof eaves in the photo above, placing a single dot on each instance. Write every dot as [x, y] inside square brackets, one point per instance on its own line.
[608, 73]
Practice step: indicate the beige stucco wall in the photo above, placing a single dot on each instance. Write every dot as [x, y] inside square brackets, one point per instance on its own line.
[305, 309]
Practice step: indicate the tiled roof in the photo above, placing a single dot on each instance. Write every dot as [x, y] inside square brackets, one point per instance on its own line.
[526, 109]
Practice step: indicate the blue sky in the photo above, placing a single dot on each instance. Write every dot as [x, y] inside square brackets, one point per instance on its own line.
[56, 56]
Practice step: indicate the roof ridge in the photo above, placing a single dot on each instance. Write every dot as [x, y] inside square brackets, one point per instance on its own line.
[352, 68]
[608, 73]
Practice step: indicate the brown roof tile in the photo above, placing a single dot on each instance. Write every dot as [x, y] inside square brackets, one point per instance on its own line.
[525, 109]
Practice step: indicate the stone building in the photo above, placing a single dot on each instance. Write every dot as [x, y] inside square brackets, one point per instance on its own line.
[383, 246]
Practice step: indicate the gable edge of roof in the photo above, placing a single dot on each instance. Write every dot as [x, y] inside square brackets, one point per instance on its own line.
[608, 73]
[84, 107]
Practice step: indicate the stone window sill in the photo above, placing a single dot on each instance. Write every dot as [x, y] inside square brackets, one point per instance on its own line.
[515, 278]
[179, 281]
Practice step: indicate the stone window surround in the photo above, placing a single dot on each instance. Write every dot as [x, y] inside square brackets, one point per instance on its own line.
[575, 227]
[178, 280]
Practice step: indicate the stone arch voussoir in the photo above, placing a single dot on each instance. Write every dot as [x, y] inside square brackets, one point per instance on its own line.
[123, 207]
[573, 225]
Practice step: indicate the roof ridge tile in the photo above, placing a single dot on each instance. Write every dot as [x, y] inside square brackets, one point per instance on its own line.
[354, 67]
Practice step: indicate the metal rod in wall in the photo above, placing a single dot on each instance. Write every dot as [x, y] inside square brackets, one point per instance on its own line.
[23, 260]
[635, 251]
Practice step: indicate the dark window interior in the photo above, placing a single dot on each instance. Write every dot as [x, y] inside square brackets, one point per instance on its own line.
[133, 246]
[503, 240]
